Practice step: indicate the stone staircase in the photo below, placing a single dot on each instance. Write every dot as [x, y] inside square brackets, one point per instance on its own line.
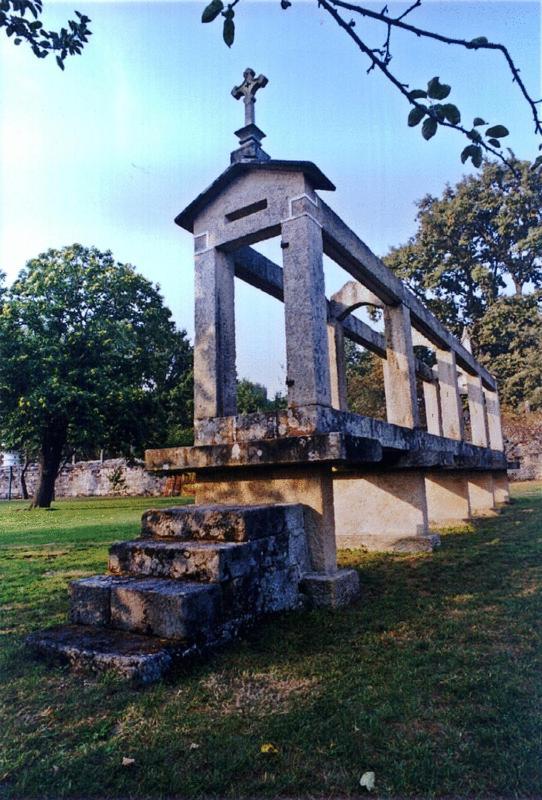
[195, 577]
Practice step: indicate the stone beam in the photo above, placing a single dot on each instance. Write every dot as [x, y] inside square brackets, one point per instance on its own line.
[450, 400]
[477, 411]
[496, 441]
[343, 246]
[264, 274]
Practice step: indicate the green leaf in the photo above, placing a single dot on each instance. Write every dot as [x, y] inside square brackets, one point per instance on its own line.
[417, 94]
[437, 90]
[474, 135]
[212, 11]
[474, 152]
[478, 41]
[495, 142]
[429, 128]
[284, 4]
[228, 33]
[497, 131]
[416, 115]
[60, 62]
[452, 113]
[479, 121]
[537, 163]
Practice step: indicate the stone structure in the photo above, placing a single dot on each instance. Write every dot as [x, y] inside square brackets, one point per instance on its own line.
[276, 492]
[113, 476]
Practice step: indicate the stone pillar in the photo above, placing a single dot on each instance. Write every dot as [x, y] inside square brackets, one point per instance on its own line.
[382, 511]
[337, 365]
[501, 487]
[214, 346]
[311, 486]
[399, 368]
[448, 502]
[432, 407]
[496, 441]
[477, 410]
[450, 399]
[481, 496]
[305, 312]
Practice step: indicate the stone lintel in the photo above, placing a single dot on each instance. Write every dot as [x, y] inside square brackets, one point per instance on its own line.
[317, 448]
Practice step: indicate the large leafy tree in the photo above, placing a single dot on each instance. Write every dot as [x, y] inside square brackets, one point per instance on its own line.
[89, 358]
[20, 21]
[476, 261]
[479, 240]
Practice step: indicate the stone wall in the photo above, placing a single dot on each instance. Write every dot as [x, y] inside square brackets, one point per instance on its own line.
[523, 443]
[95, 479]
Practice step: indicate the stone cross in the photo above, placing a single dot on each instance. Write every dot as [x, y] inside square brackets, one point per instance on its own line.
[247, 90]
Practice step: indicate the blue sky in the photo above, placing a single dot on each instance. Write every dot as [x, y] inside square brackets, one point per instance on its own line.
[108, 152]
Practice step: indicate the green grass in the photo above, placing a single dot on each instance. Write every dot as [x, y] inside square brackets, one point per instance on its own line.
[432, 680]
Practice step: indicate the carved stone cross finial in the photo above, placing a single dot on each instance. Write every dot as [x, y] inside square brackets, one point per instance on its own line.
[247, 90]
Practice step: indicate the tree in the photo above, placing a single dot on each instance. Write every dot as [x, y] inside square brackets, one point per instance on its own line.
[426, 103]
[88, 359]
[19, 18]
[480, 237]
[508, 342]
[252, 397]
[364, 382]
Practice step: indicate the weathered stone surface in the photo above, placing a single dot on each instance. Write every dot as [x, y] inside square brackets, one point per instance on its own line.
[90, 599]
[377, 511]
[501, 488]
[448, 501]
[167, 608]
[331, 591]
[481, 496]
[224, 523]
[141, 658]
[198, 561]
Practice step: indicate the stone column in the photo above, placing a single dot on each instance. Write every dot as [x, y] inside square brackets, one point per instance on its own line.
[481, 496]
[399, 368]
[337, 365]
[214, 345]
[432, 407]
[477, 410]
[450, 399]
[496, 441]
[305, 312]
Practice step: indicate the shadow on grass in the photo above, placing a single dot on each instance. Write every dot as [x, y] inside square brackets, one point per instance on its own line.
[431, 680]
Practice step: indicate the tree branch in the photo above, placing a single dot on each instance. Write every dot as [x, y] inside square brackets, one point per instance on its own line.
[475, 44]
[382, 66]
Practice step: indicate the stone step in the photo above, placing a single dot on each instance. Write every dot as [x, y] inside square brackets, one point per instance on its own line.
[222, 523]
[173, 609]
[131, 655]
[179, 558]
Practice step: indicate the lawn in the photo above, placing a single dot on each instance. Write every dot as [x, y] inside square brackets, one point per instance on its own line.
[432, 680]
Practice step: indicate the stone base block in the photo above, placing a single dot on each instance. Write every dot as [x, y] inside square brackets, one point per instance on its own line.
[90, 599]
[448, 503]
[197, 561]
[379, 511]
[222, 523]
[501, 488]
[331, 591]
[140, 658]
[167, 608]
[380, 543]
[481, 495]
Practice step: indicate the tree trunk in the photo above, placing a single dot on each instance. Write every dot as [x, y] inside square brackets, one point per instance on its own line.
[24, 487]
[50, 461]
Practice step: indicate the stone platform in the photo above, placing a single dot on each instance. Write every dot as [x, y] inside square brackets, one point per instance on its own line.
[195, 578]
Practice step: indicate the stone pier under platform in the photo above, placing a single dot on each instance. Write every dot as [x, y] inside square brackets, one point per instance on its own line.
[448, 501]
